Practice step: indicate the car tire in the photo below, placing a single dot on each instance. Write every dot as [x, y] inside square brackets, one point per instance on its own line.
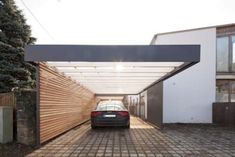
[128, 126]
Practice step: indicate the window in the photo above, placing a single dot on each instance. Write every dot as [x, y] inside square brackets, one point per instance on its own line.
[110, 106]
[223, 54]
[225, 91]
[222, 91]
[232, 91]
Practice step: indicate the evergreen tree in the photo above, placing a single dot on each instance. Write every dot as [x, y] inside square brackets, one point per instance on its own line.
[15, 34]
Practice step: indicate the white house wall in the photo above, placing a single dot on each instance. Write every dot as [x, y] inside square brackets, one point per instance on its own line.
[188, 96]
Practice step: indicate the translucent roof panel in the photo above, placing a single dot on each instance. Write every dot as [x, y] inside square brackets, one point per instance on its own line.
[116, 69]
[116, 77]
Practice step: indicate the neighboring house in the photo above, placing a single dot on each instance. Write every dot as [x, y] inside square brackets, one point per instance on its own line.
[188, 96]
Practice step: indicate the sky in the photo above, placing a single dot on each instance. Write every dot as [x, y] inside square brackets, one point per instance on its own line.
[120, 22]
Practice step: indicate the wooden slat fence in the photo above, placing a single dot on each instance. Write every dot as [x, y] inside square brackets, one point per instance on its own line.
[63, 103]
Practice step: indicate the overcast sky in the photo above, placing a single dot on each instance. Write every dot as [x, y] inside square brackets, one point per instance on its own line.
[120, 21]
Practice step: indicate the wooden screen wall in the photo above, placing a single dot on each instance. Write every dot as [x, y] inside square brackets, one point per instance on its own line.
[63, 103]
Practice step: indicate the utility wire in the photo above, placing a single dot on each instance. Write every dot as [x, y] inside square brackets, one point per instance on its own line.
[36, 19]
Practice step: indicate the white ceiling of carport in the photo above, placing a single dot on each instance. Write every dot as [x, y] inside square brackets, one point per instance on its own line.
[115, 77]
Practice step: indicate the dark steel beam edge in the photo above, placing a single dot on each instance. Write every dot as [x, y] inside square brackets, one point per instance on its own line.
[113, 53]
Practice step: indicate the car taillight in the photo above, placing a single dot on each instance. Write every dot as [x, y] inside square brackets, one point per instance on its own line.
[123, 113]
[95, 113]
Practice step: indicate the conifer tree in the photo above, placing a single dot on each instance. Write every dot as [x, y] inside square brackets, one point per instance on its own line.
[15, 34]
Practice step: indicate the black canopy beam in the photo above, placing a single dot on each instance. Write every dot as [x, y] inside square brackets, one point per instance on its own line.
[113, 53]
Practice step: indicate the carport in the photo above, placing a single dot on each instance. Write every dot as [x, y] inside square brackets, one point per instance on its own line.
[71, 78]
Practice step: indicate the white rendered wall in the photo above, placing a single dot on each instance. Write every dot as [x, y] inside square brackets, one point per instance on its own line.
[188, 96]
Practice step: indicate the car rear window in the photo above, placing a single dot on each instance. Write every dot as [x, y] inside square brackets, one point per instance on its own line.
[110, 106]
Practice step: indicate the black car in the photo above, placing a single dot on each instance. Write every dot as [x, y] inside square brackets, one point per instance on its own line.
[110, 113]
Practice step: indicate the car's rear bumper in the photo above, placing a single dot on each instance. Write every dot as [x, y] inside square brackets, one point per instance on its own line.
[110, 122]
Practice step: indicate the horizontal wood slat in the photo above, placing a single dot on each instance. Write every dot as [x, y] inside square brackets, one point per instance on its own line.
[64, 103]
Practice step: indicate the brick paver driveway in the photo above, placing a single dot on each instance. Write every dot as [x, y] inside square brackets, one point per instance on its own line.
[143, 140]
